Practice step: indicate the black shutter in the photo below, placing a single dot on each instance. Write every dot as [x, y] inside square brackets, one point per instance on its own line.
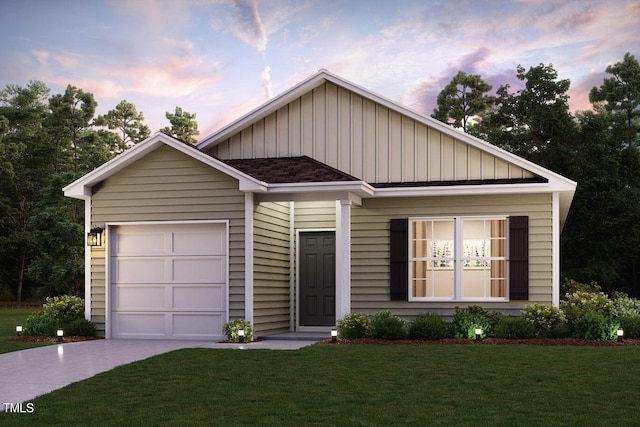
[399, 255]
[519, 257]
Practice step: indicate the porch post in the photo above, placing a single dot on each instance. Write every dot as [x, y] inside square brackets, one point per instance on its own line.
[343, 258]
[248, 258]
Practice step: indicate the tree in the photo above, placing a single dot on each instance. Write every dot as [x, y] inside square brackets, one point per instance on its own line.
[128, 121]
[534, 122]
[26, 163]
[462, 99]
[183, 125]
[71, 114]
[620, 96]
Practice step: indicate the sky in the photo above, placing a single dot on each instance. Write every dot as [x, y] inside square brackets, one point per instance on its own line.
[221, 59]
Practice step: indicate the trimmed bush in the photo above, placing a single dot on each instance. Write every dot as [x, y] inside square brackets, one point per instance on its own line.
[595, 326]
[624, 306]
[465, 321]
[428, 326]
[631, 325]
[65, 308]
[544, 319]
[514, 328]
[579, 303]
[40, 324]
[353, 326]
[384, 325]
[80, 328]
[570, 286]
[231, 328]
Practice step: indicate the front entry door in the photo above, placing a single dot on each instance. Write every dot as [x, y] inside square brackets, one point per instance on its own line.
[317, 278]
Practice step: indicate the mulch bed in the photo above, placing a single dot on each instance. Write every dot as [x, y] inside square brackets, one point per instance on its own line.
[491, 341]
[25, 338]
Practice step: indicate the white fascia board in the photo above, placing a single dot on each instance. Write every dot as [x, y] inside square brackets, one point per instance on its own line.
[81, 188]
[359, 188]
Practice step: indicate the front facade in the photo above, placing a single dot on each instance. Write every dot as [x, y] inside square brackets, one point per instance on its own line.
[326, 200]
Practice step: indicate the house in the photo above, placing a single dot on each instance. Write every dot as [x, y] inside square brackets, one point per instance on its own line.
[326, 200]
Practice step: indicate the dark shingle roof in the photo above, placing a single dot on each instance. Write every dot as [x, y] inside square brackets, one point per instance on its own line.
[289, 170]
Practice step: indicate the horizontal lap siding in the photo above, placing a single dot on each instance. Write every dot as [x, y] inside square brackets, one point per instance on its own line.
[271, 268]
[370, 247]
[168, 185]
[367, 140]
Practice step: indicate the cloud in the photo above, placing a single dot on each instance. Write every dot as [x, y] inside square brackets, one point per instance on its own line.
[246, 24]
[265, 80]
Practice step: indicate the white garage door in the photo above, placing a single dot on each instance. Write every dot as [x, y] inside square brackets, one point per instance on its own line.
[168, 281]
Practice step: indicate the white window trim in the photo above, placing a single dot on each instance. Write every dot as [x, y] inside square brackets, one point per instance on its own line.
[458, 287]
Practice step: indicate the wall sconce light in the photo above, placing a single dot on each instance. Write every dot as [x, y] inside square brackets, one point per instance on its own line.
[94, 236]
[59, 334]
[334, 335]
[241, 335]
[18, 330]
[620, 334]
[478, 332]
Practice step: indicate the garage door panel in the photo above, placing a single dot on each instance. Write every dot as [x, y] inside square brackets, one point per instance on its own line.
[204, 243]
[199, 297]
[137, 243]
[140, 270]
[196, 325]
[199, 270]
[140, 324]
[136, 297]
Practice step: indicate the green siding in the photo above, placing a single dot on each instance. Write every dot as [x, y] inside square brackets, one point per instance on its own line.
[271, 268]
[370, 247]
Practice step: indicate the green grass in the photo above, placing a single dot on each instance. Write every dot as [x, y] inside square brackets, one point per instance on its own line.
[9, 318]
[454, 385]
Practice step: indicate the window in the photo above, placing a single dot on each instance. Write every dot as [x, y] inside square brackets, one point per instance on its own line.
[458, 258]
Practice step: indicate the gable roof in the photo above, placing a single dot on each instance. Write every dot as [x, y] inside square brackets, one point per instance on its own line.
[81, 188]
[543, 180]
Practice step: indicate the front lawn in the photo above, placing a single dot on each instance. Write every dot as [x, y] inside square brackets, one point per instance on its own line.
[9, 318]
[461, 385]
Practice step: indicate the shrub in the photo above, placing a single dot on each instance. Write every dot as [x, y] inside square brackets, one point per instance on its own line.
[231, 328]
[544, 318]
[624, 306]
[80, 328]
[40, 324]
[428, 326]
[570, 286]
[64, 308]
[384, 325]
[595, 326]
[353, 326]
[514, 328]
[465, 321]
[579, 303]
[631, 325]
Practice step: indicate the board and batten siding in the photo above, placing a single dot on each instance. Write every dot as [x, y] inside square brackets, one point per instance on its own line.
[271, 271]
[370, 248]
[362, 138]
[167, 185]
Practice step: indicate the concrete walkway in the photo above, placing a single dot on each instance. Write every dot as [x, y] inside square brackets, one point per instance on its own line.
[27, 374]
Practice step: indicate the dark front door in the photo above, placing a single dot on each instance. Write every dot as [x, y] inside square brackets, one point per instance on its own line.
[317, 278]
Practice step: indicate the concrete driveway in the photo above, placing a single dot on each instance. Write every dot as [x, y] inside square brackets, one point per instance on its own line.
[27, 374]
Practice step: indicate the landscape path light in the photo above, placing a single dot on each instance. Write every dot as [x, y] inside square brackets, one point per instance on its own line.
[620, 334]
[241, 335]
[334, 335]
[59, 334]
[478, 332]
[18, 330]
